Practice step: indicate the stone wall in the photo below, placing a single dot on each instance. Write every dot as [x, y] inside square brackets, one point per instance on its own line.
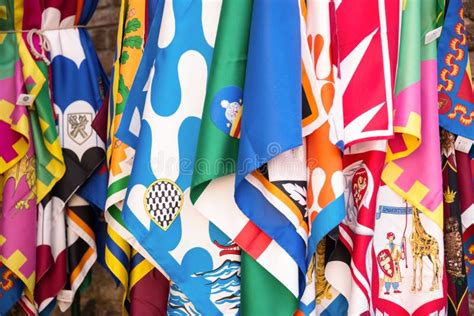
[103, 30]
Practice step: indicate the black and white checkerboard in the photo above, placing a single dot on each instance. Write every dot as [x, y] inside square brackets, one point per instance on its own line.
[163, 201]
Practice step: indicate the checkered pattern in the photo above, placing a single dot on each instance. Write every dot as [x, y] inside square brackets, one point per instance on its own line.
[163, 201]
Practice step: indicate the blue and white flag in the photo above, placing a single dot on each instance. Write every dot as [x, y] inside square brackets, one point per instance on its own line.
[158, 211]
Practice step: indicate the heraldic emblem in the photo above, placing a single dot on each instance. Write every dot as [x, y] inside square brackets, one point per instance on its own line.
[79, 127]
[226, 110]
[163, 202]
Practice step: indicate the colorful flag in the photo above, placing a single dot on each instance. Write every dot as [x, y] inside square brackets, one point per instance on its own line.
[455, 96]
[270, 185]
[216, 158]
[458, 300]
[148, 288]
[137, 275]
[363, 52]
[128, 130]
[363, 164]
[49, 159]
[422, 188]
[165, 222]
[411, 189]
[72, 59]
[324, 158]
[21, 81]
[18, 209]
[325, 198]
[466, 201]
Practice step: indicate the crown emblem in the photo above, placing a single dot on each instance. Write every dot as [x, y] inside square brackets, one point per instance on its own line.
[449, 196]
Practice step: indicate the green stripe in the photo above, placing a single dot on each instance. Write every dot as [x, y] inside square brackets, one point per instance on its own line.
[118, 186]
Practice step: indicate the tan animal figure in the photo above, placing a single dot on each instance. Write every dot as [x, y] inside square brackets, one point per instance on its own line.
[423, 244]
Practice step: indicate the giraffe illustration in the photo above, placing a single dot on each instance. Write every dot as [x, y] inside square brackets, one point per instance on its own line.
[423, 244]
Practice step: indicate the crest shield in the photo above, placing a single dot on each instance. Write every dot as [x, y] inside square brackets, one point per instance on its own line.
[385, 261]
[79, 127]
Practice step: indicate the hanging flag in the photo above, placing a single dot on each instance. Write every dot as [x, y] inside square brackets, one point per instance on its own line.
[129, 129]
[399, 172]
[148, 288]
[18, 209]
[466, 200]
[332, 261]
[137, 275]
[21, 82]
[270, 185]
[367, 54]
[325, 198]
[367, 121]
[119, 155]
[72, 58]
[410, 205]
[324, 158]
[455, 96]
[50, 162]
[18, 64]
[173, 106]
[212, 189]
[363, 164]
[458, 300]
[80, 216]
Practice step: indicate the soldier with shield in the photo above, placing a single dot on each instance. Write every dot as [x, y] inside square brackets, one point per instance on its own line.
[388, 260]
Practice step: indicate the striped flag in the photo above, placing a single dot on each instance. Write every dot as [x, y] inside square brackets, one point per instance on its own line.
[72, 60]
[128, 267]
[119, 155]
[81, 247]
[270, 185]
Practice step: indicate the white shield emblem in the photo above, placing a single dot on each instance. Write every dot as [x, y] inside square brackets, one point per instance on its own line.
[79, 127]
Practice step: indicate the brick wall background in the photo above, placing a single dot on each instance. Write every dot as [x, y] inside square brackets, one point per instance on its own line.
[104, 31]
